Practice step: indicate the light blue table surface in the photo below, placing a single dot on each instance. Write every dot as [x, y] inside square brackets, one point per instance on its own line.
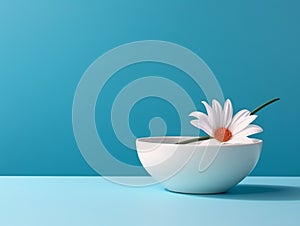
[90, 201]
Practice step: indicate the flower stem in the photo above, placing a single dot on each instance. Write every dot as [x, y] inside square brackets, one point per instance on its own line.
[208, 137]
[264, 105]
[194, 140]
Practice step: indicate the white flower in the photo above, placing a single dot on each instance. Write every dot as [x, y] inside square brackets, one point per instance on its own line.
[223, 126]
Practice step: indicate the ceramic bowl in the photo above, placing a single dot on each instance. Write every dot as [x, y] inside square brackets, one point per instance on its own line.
[203, 167]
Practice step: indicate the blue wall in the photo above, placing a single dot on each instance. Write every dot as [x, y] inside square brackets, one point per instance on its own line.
[252, 47]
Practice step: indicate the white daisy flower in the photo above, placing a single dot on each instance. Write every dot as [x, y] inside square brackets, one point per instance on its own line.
[221, 125]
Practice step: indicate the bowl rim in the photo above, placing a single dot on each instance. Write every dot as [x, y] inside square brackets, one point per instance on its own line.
[146, 140]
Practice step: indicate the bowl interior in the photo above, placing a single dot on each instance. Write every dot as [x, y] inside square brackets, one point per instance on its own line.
[174, 139]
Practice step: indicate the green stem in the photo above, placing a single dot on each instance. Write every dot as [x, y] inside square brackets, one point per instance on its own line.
[194, 140]
[208, 137]
[264, 105]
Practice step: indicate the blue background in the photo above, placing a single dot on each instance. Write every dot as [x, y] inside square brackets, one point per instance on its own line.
[252, 47]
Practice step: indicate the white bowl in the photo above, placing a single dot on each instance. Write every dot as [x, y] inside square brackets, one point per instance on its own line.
[202, 167]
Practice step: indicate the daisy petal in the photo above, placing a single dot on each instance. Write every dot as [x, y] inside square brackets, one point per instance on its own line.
[198, 115]
[203, 125]
[227, 111]
[210, 115]
[218, 116]
[239, 140]
[203, 121]
[240, 116]
[243, 124]
[249, 130]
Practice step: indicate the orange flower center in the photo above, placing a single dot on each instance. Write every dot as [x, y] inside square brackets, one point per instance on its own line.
[223, 134]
